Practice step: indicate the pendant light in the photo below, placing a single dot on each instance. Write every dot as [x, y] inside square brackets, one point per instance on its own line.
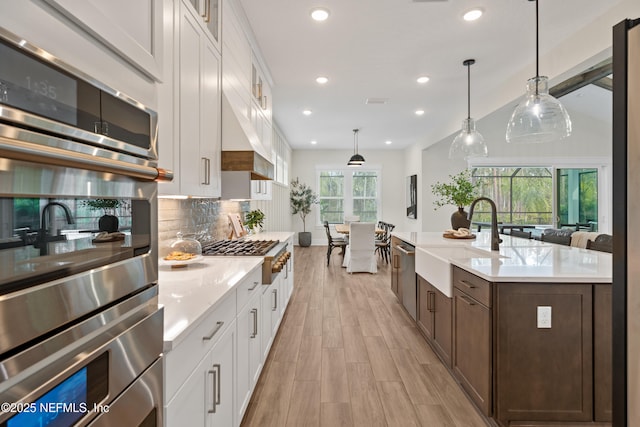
[356, 160]
[469, 142]
[540, 117]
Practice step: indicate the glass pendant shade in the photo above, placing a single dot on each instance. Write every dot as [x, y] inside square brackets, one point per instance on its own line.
[356, 160]
[540, 117]
[468, 143]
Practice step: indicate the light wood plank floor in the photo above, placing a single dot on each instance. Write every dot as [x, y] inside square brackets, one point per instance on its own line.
[347, 354]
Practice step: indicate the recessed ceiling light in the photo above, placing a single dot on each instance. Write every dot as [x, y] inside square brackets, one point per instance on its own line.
[314, 142]
[422, 79]
[388, 142]
[306, 112]
[322, 80]
[319, 14]
[419, 112]
[472, 14]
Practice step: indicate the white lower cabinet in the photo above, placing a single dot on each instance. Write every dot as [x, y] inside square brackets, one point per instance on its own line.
[207, 397]
[268, 303]
[211, 373]
[250, 360]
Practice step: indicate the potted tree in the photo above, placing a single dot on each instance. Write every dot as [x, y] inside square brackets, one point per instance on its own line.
[459, 191]
[107, 222]
[302, 198]
[254, 220]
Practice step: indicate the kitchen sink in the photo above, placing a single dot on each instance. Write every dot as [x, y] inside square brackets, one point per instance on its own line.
[434, 264]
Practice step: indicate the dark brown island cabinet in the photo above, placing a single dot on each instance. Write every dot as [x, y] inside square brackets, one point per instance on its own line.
[433, 317]
[525, 353]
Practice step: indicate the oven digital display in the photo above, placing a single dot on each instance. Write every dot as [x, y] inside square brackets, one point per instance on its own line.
[32, 86]
[60, 407]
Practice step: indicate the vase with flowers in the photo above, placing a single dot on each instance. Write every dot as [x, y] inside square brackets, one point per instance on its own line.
[459, 191]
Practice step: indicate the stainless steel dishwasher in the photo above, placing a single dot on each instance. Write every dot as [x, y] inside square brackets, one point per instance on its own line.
[405, 262]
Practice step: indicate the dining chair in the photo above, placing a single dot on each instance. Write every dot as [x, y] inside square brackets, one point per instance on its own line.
[333, 242]
[383, 242]
[360, 254]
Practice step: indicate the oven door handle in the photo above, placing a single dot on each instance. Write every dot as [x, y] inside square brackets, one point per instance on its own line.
[28, 151]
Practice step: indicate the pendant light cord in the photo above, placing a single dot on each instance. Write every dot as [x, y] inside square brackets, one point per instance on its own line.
[537, 50]
[468, 90]
[355, 140]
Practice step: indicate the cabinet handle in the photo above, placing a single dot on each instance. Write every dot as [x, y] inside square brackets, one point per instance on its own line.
[213, 390]
[432, 299]
[467, 284]
[396, 263]
[254, 311]
[216, 387]
[255, 285]
[286, 269]
[275, 300]
[215, 331]
[467, 300]
[207, 171]
[219, 369]
[263, 102]
[207, 11]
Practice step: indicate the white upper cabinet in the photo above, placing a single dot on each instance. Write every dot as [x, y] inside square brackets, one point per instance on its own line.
[131, 29]
[189, 140]
[210, 14]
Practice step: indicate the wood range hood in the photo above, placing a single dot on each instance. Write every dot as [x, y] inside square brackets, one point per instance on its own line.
[258, 167]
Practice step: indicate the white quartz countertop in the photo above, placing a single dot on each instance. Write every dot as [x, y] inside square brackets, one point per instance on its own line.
[188, 293]
[519, 260]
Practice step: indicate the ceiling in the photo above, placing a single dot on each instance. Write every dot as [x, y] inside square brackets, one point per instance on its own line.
[378, 48]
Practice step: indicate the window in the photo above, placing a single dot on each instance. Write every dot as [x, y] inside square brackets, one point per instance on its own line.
[331, 196]
[348, 192]
[569, 194]
[365, 195]
[577, 194]
[523, 195]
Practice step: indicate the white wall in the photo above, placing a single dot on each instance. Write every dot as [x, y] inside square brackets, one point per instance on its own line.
[393, 183]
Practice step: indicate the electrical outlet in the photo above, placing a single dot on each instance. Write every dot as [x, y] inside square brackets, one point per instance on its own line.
[544, 317]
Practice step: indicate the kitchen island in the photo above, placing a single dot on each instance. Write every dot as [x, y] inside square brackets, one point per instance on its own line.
[526, 330]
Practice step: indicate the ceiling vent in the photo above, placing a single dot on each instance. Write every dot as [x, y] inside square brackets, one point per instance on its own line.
[376, 100]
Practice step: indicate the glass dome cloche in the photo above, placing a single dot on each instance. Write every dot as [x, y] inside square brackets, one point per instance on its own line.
[183, 250]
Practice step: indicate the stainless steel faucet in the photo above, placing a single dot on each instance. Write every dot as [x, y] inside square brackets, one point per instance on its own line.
[44, 238]
[495, 237]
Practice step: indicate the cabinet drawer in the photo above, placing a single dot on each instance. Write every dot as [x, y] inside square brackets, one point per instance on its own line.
[472, 285]
[248, 287]
[182, 360]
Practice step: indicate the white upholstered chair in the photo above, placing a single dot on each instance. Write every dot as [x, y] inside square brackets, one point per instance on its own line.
[360, 254]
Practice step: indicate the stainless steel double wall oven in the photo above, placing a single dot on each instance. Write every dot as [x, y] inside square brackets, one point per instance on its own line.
[80, 328]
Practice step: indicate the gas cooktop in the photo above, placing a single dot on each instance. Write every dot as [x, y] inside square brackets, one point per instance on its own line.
[239, 247]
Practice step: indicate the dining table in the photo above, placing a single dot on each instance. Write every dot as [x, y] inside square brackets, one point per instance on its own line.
[344, 229]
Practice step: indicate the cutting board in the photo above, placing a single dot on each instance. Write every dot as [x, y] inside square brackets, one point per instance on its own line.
[236, 225]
